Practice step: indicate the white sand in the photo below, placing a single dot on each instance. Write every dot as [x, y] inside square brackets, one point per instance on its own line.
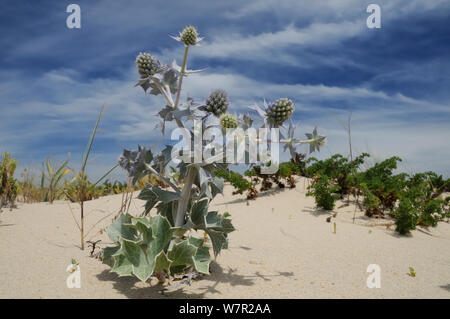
[283, 248]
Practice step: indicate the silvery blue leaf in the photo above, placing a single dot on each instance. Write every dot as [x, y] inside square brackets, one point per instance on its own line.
[175, 66]
[154, 90]
[166, 113]
[260, 112]
[144, 83]
[170, 79]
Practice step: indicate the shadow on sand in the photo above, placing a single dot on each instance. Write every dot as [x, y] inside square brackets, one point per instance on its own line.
[317, 211]
[271, 192]
[446, 287]
[205, 284]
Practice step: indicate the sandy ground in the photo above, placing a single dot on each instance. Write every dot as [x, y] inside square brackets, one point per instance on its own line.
[283, 248]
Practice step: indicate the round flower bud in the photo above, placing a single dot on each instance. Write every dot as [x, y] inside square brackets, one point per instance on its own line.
[189, 35]
[217, 102]
[147, 64]
[279, 111]
[228, 121]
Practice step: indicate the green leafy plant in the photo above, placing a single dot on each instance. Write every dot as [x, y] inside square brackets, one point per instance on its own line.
[407, 217]
[298, 159]
[421, 189]
[411, 199]
[236, 180]
[9, 187]
[337, 168]
[371, 203]
[324, 192]
[379, 181]
[288, 170]
[53, 177]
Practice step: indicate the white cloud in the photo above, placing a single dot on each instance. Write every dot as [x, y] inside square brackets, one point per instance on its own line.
[266, 46]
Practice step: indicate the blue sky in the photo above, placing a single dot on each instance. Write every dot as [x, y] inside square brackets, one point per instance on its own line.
[394, 80]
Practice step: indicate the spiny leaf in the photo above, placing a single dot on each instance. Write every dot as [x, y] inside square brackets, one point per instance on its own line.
[162, 263]
[181, 254]
[202, 259]
[162, 234]
[108, 253]
[199, 211]
[218, 240]
[119, 229]
[197, 242]
[142, 264]
[122, 266]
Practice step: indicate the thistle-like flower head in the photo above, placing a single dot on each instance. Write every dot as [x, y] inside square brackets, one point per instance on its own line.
[217, 103]
[279, 111]
[189, 35]
[147, 65]
[228, 121]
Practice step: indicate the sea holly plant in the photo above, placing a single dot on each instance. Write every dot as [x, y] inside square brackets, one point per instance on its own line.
[168, 239]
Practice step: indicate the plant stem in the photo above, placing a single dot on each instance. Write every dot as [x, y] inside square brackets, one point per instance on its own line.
[185, 195]
[180, 81]
[192, 171]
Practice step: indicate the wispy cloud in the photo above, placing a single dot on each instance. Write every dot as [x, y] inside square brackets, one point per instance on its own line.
[394, 80]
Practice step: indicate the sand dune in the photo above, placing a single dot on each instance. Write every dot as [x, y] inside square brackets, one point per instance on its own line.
[283, 248]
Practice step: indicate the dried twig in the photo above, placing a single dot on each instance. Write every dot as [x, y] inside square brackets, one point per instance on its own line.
[92, 244]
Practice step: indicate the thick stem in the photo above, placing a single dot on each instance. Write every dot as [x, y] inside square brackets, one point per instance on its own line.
[183, 69]
[185, 195]
[192, 171]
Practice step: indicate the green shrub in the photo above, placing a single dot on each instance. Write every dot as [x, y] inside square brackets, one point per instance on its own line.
[323, 192]
[236, 180]
[421, 189]
[432, 213]
[298, 160]
[286, 170]
[337, 168]
[380, 182]
[9, 187]
[407, 217]
[416, 195]
[371, 203]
